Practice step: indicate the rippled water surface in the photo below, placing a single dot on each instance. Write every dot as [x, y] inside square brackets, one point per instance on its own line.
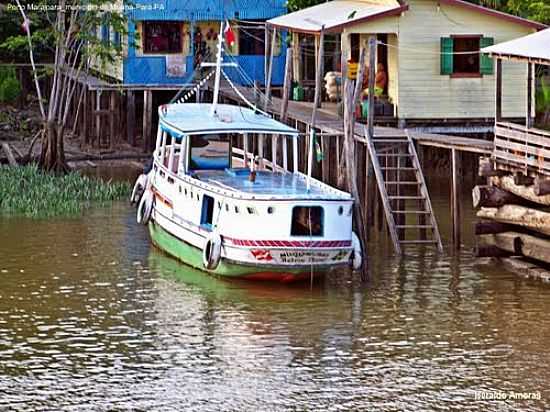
[93, 318]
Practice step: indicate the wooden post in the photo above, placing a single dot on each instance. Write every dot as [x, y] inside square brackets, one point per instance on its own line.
[112, 119]
[421, 216]
[296, 75]
[266, 52]
[351, 169]
[270, 69]
[372, 77]
[85, 116]
[285, 152]
[147, 112]
[97, 118]
[455, 197]
[498, 91]
[131, 118]
[529, 108]
[274, 145]
[318, 75]
[286, 85]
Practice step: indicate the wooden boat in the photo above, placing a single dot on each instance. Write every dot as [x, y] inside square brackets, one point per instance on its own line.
[231, 211]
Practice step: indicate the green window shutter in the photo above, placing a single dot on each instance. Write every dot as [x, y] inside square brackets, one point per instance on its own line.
[485, 61]
[446, 55]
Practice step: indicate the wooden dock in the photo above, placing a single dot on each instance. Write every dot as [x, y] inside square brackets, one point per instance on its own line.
[330, 127]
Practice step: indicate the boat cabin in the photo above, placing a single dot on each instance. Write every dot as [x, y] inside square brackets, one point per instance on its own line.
[218, 173]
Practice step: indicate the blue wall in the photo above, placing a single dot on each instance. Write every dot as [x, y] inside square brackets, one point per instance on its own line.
[151, 70]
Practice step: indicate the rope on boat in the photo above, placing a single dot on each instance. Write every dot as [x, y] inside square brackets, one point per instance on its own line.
[195, 89]
[251, 105]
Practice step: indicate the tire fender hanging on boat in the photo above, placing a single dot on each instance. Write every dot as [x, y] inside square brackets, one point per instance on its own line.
[212, 251]
[139, 189]
[145, 207]
[357, 253]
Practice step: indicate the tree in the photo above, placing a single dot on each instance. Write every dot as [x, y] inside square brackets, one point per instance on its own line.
[77, 49]
[294, 5]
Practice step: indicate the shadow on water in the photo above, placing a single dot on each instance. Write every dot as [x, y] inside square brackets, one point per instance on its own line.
[92, 317]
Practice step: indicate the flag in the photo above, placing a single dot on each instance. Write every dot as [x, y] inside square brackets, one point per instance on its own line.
[318, 151]
[229, 34]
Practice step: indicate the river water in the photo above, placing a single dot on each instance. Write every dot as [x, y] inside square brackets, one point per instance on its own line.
[93, 318]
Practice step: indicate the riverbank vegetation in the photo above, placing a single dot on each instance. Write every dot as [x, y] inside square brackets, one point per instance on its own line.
[31, 192]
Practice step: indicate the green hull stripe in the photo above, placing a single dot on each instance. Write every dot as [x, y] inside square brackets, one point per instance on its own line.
[193, 256]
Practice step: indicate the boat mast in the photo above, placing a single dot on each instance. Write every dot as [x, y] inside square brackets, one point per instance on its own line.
[218, 71]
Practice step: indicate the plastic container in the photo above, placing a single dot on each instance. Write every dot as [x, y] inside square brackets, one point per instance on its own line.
[298, 93]
[365, 108]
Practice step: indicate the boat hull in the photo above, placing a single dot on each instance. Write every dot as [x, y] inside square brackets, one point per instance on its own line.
[192, 256]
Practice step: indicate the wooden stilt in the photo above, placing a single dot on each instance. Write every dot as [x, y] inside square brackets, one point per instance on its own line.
[372, 77]
[85, 126]
[147, 118]
[498, 90]
[131, 118]
[97, 118]
[455, 198]
[270, 69]
[286, 85]
[113, 119]
[529, 105]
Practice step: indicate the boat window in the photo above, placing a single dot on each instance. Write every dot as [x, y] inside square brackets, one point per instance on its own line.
[270, 210]
[207, 210]
[307, 221]
[250, 210]
[209, 152]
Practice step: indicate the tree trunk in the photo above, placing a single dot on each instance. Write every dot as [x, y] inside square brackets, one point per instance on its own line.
[541, 186]
[518, 215]
[491, 227]
[520, 244]
[491, 196]
[52, 157]
[526, 192]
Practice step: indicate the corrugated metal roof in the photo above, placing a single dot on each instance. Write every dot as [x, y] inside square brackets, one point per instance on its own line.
[535, 46]
[336, 14]
[202, 10]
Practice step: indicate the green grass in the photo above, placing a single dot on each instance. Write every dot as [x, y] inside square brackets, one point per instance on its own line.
[30, 192]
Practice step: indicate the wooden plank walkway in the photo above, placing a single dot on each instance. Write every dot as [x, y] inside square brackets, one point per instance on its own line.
[330, 123]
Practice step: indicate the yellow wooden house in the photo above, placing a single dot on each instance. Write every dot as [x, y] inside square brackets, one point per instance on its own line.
[430, 51]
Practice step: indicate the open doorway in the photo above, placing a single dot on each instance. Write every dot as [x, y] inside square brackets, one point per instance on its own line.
[207, 213]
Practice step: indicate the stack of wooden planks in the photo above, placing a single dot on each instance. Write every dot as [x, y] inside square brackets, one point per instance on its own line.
[515, 213]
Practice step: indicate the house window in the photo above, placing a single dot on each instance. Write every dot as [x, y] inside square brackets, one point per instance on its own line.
[460, 56]
[251, 41]
[466, 58]
[162, 37]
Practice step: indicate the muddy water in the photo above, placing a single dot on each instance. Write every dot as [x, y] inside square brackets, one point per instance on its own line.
[93, 318]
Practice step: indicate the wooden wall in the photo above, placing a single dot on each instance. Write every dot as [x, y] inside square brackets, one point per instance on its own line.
[422, 92]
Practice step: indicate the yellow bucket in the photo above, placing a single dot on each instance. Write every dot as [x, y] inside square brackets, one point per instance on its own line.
[352, 70]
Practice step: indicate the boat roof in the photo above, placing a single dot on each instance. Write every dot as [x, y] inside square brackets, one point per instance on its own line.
[180, 119]
[269, 185]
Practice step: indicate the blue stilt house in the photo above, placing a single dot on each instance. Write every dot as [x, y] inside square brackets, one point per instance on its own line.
[172, 37]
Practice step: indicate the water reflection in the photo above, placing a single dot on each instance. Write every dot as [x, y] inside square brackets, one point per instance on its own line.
[92, 318]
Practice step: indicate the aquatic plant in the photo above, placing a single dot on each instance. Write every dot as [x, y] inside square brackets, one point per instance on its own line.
[29, 191]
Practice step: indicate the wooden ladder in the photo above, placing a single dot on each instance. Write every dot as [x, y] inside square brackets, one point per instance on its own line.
[395, 160]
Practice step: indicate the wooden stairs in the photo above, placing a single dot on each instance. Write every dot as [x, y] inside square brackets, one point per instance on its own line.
[403, 191]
